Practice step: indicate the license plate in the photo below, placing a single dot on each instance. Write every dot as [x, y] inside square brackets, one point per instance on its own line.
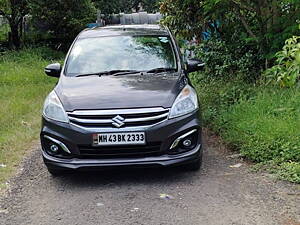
[130, 138]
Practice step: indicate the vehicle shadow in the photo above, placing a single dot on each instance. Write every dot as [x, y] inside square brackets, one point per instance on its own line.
[119, 177]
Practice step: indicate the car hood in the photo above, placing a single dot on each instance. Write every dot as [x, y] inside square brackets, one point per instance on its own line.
[118, 92]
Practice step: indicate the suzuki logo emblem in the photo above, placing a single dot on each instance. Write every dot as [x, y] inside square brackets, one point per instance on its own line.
[118, 121]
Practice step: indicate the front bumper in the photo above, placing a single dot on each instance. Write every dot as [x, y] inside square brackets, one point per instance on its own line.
[95, 164]
[164, 133]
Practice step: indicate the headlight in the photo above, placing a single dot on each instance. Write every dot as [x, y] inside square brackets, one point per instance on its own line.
[53, 108]
[186, 102]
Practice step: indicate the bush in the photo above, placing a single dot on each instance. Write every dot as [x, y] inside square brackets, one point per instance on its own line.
[220, 94]
[289, 171]
[286, 72]
[261, 123]
[266, 127]
[226, 61]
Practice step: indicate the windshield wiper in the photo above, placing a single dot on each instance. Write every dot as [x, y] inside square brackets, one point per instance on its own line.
[109, 72]
[160, 70]
[127, 72]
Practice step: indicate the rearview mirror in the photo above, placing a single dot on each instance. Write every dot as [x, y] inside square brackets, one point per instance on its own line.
[194, 65]
[53, 70]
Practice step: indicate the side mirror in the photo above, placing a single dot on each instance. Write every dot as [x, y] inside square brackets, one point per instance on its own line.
[194, 65]
[53, 70]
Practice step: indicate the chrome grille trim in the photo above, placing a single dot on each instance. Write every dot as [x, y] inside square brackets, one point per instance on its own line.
[114, 129]
[116, 111]
[97, 121]
[133, 118]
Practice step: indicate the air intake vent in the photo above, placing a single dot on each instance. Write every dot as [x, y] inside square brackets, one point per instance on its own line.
[151, 149]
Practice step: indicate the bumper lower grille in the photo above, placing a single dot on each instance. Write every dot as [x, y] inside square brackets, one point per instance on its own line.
[88, 152]
[118, 118]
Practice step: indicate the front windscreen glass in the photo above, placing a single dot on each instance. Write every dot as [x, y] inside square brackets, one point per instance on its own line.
[141, 53]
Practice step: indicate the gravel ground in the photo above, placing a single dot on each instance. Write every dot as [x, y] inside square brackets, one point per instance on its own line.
[218, 194]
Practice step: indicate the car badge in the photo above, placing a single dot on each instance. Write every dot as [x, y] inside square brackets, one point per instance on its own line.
[118, 121]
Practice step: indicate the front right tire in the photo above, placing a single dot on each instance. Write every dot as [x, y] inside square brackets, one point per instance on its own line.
[55, 172]
[195, 166]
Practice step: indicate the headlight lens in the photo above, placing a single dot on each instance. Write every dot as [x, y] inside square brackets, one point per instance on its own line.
[186, 102]
[53, 108]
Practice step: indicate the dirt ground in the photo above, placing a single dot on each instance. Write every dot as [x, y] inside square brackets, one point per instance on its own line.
[217, 194]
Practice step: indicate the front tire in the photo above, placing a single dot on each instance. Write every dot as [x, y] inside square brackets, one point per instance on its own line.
[195, 166]
[55, 172]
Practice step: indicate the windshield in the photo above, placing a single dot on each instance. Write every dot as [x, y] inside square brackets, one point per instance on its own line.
[139, 53]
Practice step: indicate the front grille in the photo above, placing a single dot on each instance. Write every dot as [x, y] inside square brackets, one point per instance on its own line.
[88, 151]
[118, 118]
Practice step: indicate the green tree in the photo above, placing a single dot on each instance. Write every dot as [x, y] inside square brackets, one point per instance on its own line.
[150, 5]
[286, 70]
[14, 11]
[264, 23]
[126, 6]
[63, 19]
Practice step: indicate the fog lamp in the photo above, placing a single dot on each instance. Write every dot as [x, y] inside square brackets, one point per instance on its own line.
[187, 143]
[184, 138]
[54, 148]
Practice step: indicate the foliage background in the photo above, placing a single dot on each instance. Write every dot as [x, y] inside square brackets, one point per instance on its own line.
[249, 47]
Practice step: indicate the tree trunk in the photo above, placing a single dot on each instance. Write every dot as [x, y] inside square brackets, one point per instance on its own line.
[15, 36]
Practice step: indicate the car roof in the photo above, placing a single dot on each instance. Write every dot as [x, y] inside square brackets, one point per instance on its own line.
[118, 30]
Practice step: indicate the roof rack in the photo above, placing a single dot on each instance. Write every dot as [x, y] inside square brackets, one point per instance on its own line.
[128, 19]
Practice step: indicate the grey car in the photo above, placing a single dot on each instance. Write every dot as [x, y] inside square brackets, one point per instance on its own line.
[123, 99]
